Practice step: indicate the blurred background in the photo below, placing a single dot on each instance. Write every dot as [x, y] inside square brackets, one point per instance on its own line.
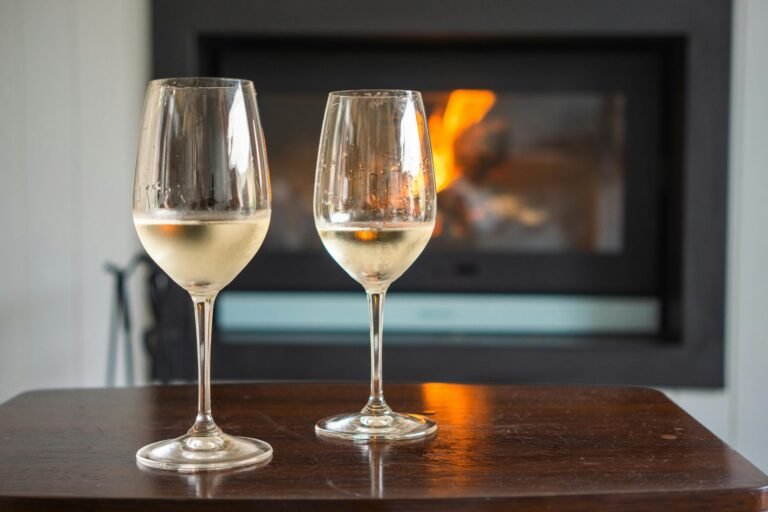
[601, 174]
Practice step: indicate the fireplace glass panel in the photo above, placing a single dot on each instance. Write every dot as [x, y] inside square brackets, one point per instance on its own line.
[547, 154]
[515, 172]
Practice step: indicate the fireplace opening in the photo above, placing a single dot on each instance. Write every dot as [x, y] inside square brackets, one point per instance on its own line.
[550, 158]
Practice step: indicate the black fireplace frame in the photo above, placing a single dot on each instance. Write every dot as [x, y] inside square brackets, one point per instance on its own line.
[690, 349]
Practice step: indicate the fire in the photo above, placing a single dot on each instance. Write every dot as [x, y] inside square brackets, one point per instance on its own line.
[464, 108]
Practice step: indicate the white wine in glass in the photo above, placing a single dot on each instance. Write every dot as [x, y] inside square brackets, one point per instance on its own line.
[375, 206]
[202, 254]
[375, 255]
[201, 207]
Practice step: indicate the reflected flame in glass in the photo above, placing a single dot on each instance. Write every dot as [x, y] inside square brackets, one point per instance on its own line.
[464, 108]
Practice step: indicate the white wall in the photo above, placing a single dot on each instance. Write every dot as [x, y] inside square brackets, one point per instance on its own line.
[748, 267]
[72, 79]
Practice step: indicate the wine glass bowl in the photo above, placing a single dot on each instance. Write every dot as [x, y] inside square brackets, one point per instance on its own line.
[374, 207]
[201, 207]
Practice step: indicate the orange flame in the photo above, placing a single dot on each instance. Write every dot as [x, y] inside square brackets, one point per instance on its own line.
[464, 108]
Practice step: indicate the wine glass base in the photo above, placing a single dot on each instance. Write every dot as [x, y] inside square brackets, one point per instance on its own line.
[204, 453]
[388, 427]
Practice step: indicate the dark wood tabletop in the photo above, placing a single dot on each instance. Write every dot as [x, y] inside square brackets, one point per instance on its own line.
[497, 448]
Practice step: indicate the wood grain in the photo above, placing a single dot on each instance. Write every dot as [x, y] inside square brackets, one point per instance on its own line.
[497, 448]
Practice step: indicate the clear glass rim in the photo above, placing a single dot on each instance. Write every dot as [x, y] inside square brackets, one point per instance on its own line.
[200, 82]
[375, 93]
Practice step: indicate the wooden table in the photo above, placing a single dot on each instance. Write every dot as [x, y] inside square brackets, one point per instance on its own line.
[497, 448]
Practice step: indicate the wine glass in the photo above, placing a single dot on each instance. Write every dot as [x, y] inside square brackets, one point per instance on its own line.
[375, 205]
[201, 207]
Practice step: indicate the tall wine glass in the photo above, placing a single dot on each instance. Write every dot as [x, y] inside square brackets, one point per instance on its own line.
[375, 205]
[201, 207]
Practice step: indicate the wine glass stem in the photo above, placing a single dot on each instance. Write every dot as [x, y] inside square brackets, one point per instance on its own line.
[203, 322]
[376, 404]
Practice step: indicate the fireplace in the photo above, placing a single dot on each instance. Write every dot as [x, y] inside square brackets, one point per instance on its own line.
[580, 159]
